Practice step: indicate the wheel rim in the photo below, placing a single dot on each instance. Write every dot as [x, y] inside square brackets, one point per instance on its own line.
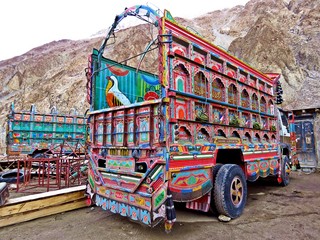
[236, 191]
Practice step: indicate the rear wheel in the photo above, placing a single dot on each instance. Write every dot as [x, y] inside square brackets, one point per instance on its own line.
[230, 191]
[215, 171]
[285, 171]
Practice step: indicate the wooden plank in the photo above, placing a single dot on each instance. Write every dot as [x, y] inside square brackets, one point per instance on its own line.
[40, 205]
[26, 206]
[46, 194]
[27, 216]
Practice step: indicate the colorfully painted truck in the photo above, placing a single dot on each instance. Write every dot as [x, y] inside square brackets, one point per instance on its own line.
[31, 133]
[195, 132]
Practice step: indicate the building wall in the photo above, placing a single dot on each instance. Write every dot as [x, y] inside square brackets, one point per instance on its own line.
[316, 128]
[309, 115]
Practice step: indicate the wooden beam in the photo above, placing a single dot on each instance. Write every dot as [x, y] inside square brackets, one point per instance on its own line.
[46, 195]
[41, 205]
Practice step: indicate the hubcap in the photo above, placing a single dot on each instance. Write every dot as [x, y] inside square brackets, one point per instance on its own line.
[236, 191]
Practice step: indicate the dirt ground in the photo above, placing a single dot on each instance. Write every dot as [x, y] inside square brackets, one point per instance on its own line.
[272, 212]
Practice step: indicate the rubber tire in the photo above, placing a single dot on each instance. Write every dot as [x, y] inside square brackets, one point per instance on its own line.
[215, 171]
[39, 155]
[284, 175]
[226, 176]
[11, 176]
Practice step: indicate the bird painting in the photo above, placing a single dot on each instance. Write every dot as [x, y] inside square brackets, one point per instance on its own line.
[114, 97]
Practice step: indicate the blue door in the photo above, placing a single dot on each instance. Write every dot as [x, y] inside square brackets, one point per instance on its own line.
[305, 144]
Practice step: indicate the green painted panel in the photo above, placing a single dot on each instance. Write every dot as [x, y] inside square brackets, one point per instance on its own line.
[123, 83]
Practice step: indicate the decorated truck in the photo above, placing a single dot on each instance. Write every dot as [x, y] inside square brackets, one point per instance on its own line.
[193, 132]
[35, 134]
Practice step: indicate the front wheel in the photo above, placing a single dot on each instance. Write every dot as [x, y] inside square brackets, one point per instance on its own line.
[230, 191]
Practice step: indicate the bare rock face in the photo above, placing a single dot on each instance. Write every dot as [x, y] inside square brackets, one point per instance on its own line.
[52, 69]
[47, 76]
[285, 39]
[280, 36]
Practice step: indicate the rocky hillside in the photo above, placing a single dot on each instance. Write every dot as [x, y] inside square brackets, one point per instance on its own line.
[272, 35]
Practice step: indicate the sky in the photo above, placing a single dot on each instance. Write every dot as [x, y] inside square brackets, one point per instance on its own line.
[26, 24]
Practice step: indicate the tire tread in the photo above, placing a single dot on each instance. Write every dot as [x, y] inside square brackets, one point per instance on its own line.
[221, 187]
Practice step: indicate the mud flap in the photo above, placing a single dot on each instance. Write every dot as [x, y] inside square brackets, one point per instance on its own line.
[90, 195]
[170, 211]
[201, 204]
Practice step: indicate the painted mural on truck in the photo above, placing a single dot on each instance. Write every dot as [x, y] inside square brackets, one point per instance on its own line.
[118, 85]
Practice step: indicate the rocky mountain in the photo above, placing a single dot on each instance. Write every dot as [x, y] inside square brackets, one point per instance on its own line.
[280, 36]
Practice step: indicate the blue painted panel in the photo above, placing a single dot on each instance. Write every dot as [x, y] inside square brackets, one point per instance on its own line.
[305, 143]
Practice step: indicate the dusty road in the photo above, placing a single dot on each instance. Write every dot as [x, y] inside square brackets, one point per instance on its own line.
[272, 212]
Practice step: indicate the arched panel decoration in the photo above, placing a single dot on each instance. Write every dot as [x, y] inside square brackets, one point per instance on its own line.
[245, 99]
[248, 137]
[255, 102]
[202, 136]
[232, 94]
[181, 113]
[200, 84]
[235, 134]
[265, 138]
[270, 107]
[221, 133]
[263, 105]
[181, 78]
[184, 135]
[218, 90]
[273, 138]
[257, 137]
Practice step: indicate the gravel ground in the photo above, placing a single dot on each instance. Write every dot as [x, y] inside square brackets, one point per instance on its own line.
[272, 212]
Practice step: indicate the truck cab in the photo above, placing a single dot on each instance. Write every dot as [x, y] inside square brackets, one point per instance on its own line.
[287, 134]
